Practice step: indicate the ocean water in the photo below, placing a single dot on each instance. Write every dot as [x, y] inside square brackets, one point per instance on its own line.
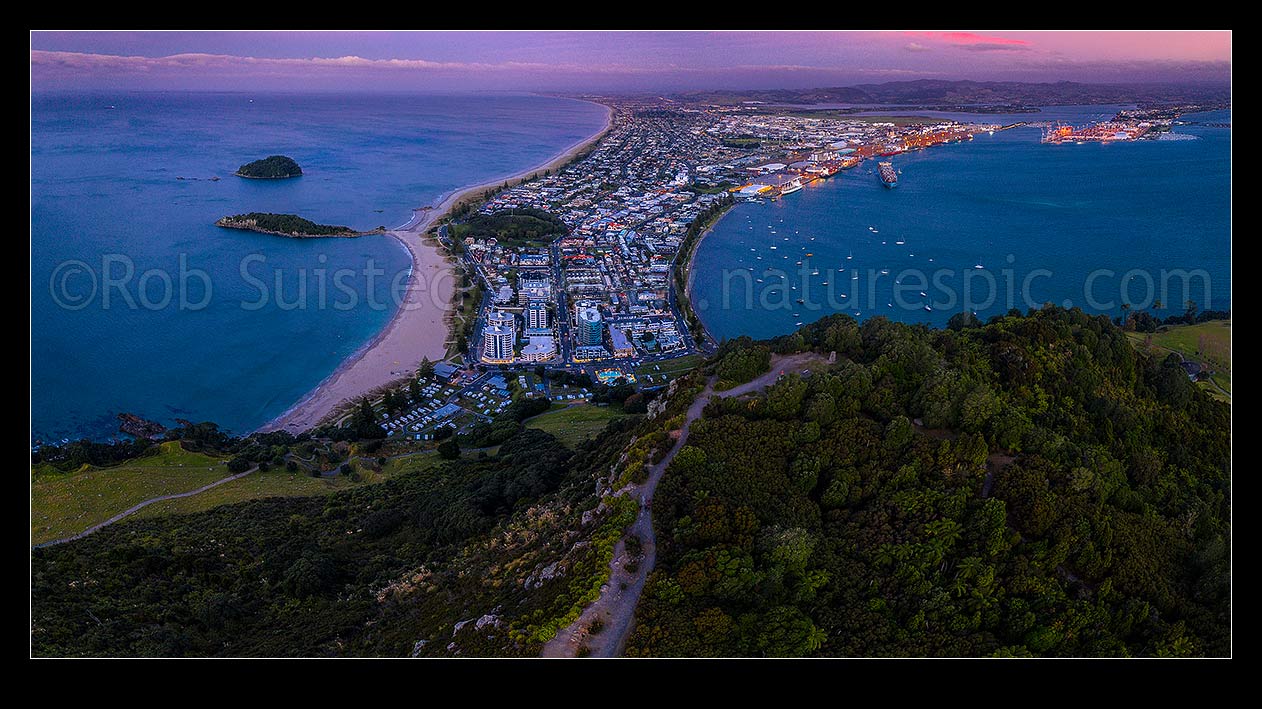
[115, 325]
[1091, 225]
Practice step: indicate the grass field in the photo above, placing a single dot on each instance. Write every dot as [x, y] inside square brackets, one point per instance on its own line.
[64, 504]
[1208, 343]
[667, 370]
[281, 483]
[573, 424]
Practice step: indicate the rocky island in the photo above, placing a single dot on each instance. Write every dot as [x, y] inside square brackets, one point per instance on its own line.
[273, 167]
[290, 225]
[140, 428]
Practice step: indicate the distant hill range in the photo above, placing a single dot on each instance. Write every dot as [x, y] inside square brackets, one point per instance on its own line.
[936, 92]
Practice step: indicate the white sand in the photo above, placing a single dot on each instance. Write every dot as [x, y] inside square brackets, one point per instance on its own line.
[418, 329]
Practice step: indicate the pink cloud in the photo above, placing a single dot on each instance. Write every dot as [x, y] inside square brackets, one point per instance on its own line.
[971, 38]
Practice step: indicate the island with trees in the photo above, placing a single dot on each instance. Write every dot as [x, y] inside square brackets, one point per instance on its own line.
[289, 225]
[273, 167]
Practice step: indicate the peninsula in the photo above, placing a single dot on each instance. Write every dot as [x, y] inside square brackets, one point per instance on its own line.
[290, 225]
[273, 167]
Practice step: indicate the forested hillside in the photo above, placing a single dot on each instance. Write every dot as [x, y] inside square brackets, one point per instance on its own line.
[1033, 486]
[387, 569]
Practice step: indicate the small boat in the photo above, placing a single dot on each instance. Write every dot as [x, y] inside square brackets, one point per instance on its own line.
[854, 276]
[979, 266]
[885, 272]
[928, 308]
[773, 248]
[922, 294]
[815, 272]
[800, 301]
[900, 242]
[809, 254]
[823, 283]
[799, 263]
[850, 256]
[797, 323]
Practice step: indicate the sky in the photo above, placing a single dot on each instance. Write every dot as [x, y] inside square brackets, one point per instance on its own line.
[612, 61]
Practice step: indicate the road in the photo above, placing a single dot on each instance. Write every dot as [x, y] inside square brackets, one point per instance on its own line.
[135, 508]
[620, 595]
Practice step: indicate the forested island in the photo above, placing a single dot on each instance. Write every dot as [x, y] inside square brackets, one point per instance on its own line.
[290, 225]
[1032, 485]
[274, 167]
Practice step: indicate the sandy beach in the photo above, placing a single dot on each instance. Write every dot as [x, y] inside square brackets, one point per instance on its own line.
[418, 328]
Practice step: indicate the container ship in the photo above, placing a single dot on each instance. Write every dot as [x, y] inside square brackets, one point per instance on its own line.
[888, 176]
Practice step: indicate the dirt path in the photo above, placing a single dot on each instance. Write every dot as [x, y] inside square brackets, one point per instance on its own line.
[135, 508]
[618, 597]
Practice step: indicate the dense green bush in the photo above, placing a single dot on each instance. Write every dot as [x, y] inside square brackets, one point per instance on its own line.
[1064, 495]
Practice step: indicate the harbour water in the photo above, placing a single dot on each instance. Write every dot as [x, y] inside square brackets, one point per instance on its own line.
[108, 201]
[986, 225]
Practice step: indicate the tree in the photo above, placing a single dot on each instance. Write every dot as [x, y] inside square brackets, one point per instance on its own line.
[449, 449]
[414, 391]
[426, 369]
[963, 320]
[364, 421]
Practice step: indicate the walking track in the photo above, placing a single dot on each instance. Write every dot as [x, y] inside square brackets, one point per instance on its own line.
[137, 507]
[618, 597]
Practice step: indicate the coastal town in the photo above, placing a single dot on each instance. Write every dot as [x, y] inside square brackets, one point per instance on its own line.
[602, 298]
[594, 292]
[579, 270]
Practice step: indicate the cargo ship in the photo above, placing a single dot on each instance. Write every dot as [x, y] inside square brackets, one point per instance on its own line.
[888, 176]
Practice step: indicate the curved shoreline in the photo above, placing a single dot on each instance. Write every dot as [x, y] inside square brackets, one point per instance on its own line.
[692, 256]
[418, 326]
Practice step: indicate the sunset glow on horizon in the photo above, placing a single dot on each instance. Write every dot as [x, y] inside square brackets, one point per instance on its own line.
[598, 61]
